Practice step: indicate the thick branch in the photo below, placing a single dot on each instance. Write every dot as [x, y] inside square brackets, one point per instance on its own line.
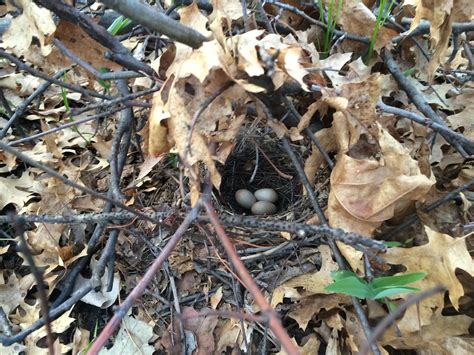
[151, 18]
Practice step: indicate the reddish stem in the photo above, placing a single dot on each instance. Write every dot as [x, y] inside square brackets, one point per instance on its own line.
[141, 286]
[274, 322]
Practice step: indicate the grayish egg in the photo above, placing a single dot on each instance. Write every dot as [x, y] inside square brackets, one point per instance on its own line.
[268, 195]
[245, 198]
[263, 208]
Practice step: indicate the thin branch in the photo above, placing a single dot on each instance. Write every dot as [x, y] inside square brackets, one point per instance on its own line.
[392, 316]
[144, 282]
[126, 100]
[97, 32]
[64, 126]
[99, 75]
[38, 275]
[407, 221]
[22, 107]
[22, 66]
[70, 183]
[274, 323]
[442, 129]
[332, 244]
[417, 98]
[301, 13]
[320, 147]
[100, 217]
[53, 314]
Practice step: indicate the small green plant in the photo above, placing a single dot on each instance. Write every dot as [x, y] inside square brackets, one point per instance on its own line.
[173, 160]
[333, 13]
[348, 283]
[118, 24]
[395, 244]
[409, 72]
[94, 336]
[382, 16]
[71, 117]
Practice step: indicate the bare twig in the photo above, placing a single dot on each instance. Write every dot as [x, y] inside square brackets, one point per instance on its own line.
[321, 149]
[53, 315]
[64, 126]
[421, 104]
[100, 34]
[331, 242]
[407, 221]
[443, 129]
[38, 275]
[392, 316]
[100, 217]
[70, 183]
[99, 75]
[22, 66]
[22, 107]
[274, 323]
[301, 13]
[144, 282]
[5, 325]
[202, 107]
[126, 100]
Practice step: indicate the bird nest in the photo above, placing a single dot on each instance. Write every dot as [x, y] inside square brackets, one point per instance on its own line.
[259, 161]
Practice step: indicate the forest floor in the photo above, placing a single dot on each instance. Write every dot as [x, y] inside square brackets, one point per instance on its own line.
[127, 128]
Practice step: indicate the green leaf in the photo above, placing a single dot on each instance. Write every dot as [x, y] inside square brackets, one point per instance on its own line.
[118, 24]
[392, 306]
[342, 274]
[351, 285]
[409, 72]
[390, 291]
[392, 244]
[397, 280]
[104, 83]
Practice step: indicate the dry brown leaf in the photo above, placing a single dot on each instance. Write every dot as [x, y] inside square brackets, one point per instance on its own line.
[366, 192]
[203, 328]
[439, 13]
[132, 338]
[80, 341]
[439, 258]
[81, 44]
[16, 191]
[434, 336]
[229, 334]
[312, 283]
[306, 308]
[11, 294]
[326, 137]
[33, 22]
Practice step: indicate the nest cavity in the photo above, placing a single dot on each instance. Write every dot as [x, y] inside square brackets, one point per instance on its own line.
[259, 162]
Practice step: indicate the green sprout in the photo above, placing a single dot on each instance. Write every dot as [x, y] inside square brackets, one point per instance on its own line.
[348, 283]
[119, 24]
[381, 19]
[71, 117]
[332, 17]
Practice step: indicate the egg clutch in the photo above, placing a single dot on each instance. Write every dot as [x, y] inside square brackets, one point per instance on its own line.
[261, 202]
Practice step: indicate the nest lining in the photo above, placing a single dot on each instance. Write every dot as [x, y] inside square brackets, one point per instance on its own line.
[243, 163]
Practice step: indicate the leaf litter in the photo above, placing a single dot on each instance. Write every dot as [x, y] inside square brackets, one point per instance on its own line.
[260, 74]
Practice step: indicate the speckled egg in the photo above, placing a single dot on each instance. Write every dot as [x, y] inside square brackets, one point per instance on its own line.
[245, 198]
[263, 208]
[267, 194]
